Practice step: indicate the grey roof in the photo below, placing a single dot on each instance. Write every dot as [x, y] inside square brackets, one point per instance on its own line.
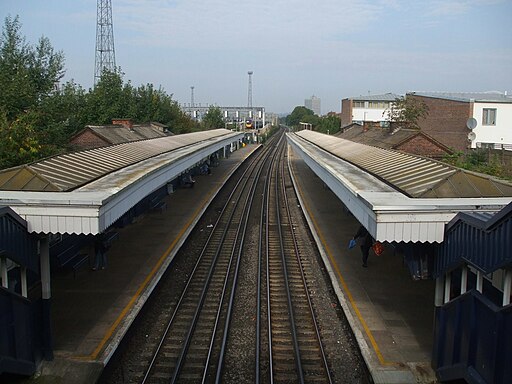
[384, 97]
[385, 138]
[117, 134]
[492, 96]
[412, 175]
[378, 137]
[72, 170]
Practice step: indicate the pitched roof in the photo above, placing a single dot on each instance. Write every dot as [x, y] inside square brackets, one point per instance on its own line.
[412, 175]
[384, 97]
[72, 170]
[117, 134]
[492, 96]
[383, 137]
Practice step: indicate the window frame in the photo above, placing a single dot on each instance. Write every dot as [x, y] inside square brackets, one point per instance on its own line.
[487, 113]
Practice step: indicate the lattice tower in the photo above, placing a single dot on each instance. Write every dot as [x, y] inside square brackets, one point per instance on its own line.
[249, 97]
[105, 54]
[192, 96]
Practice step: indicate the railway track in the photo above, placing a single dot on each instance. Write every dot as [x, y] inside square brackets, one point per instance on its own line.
[296, 353]
[241, 310]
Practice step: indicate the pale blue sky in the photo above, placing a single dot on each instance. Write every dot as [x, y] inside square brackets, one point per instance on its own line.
[332, 49]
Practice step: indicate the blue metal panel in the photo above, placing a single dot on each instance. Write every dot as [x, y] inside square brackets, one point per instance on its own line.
[16, 338]
[20, 246]
[473, 340]
[482, 241]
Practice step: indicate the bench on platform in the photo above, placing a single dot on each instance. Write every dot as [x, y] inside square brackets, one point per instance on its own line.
[109, 237]
[75, 262]
[158, 205]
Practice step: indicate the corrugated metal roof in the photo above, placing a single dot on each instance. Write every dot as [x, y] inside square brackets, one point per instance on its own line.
[467, 96]
[384, 97]
[69, 171]
[413, 175]
[379, 137]
[116, 134]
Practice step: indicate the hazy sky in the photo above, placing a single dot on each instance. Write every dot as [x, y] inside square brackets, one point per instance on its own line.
[332, 49]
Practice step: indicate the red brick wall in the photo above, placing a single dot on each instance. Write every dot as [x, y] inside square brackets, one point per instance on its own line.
[86, 140]
[128, 123]
[346, 112]
[420, 145]
[446, 121]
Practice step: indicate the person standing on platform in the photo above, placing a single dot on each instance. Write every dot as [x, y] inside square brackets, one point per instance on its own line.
[100, 258]
[365, 243]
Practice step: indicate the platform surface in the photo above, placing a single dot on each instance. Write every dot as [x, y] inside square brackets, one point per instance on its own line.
[391, 314]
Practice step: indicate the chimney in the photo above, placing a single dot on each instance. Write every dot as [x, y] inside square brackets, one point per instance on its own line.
[127, 123]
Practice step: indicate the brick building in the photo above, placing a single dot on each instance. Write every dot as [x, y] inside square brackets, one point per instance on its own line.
[120, 131]
[447, 119]
[411, 141]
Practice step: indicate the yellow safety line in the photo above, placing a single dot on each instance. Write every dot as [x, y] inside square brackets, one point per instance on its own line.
[144, 284]
[345, 287]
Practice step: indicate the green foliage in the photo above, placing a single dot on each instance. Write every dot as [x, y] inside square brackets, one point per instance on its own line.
[406, 112]
[37, 119]
[299, 114]
[28, 74]
[329, 124]
[213, 119]
[478, 160]
[326, 124]
[18, 141]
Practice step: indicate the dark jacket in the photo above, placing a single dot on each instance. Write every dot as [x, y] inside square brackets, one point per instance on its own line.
[364, 235]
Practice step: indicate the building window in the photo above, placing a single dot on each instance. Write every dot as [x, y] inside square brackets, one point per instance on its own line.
[358, 104]
[489, 116]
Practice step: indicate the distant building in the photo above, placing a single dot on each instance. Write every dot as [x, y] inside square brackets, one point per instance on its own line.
[448, 114]
[366, 110]
[313, 104]
[121, 131]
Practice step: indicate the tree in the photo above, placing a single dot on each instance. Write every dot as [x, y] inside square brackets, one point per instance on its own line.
[27, 74]
[299, 114]
[329, 124]
[406, 112]
[18, 140]
[111, 98]
[37, 118]
[213, 118]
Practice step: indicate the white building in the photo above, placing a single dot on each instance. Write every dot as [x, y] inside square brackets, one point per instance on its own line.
[366, 109]
[468, 120]
[314, 104]
[493, 124]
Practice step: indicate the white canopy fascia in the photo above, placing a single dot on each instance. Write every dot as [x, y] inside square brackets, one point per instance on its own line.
[388, 214]
[95, 206]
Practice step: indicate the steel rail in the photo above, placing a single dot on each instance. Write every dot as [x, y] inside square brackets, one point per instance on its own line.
[235, 280]
[195, 318]
[304, 281]
[191, 278]
[286, 284]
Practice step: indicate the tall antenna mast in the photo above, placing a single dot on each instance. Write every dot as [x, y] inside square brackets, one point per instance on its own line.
[192, 96]
[105, 54]
[249, 97]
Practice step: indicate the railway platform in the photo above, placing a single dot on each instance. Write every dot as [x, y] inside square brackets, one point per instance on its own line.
[92, 310]
[390, 314]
